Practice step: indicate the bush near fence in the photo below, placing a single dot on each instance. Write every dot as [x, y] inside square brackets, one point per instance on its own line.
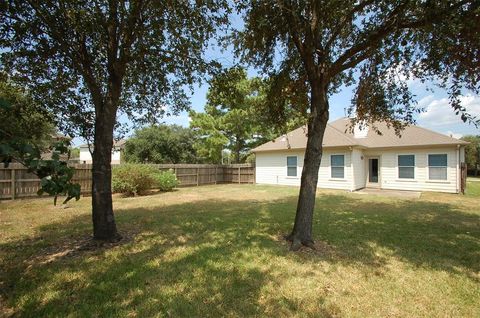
[17, 182]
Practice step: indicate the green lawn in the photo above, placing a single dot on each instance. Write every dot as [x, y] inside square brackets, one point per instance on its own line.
[473, 188]
[217, 251]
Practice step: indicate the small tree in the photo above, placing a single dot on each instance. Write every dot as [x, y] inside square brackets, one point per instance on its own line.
[161, 144]
[90, 61]
[311, 48]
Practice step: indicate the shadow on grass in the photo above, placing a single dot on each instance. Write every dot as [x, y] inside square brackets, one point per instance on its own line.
[212, 257]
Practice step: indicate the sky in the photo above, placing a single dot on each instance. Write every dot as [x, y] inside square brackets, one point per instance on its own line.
[438, 115]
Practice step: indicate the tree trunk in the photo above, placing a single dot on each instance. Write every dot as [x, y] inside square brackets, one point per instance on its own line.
[104, 227]
[302, 229]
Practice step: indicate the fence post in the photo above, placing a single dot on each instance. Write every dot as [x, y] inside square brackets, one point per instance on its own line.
[12, 190]
[239, 175]
[215, 174]
[197, 176]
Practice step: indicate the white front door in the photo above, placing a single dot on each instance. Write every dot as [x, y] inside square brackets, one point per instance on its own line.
[373, 172]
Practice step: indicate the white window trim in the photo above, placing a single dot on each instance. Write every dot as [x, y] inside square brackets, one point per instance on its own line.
[287, 166]
[428, 166]
[344, 165]
[414, 167]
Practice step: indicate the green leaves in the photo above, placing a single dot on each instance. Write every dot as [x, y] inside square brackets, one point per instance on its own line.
[233, 116]
[69, 52]
[27, 135]
[161, 144]
[304, 45]
[55, 175]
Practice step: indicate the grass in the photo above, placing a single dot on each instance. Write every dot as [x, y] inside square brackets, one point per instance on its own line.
[217, 251]
[473, 188]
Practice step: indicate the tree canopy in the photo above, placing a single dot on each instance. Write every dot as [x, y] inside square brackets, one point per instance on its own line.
[161, 144]
[472, 153]
[233, 116]
[91, 61]
[18, 114]
[311, 49]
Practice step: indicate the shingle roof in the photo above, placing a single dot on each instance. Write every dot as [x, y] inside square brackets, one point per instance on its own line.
[337, 134]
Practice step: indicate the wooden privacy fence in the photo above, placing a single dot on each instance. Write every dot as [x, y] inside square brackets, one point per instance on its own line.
[17, 182]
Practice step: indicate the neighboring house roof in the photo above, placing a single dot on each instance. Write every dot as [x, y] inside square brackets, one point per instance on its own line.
[338, 134]
[116, 144]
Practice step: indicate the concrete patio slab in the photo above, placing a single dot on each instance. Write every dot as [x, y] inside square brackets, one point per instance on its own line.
[390, 193]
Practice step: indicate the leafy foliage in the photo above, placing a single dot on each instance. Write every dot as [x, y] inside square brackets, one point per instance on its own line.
[375, 44]
[472, 152]
[133, 179]
[55, 175]
[18, 115]
[70, 52]
[233, 116]
[166, 180]
[20, 143]
[91, 62]
[161, 144]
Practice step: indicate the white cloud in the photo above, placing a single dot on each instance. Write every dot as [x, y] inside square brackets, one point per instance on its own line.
[438, 112]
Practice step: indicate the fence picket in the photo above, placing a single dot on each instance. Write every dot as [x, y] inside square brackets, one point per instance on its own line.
[16, 182]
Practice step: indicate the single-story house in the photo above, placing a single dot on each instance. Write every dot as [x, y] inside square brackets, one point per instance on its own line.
[419, 159]
[118, 146]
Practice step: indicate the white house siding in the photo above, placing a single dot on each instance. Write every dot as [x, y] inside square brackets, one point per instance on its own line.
[116, 157]
[271, 168]
[389, 169]
[359, 169]
[86, 157]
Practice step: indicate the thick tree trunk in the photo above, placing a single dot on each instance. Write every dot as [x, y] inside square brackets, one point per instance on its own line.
[104, 227]
[302, 229]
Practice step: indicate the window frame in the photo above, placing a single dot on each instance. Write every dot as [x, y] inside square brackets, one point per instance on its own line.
[445, 167]
[332, 166]
[291, 166]
[399, 166]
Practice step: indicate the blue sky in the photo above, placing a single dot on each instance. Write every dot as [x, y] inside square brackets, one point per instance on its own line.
[439, 116]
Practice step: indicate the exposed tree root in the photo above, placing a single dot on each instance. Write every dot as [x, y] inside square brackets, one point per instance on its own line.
[298, 243]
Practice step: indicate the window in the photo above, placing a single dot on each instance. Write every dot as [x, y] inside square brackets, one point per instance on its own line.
[406, 166]
[292, 166]
[338, 166]
[437, 167]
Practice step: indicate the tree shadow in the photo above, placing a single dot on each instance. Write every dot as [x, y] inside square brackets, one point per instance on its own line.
[200, 258]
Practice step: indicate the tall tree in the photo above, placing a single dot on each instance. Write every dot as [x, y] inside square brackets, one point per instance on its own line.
[472, 152]
[311, 48]
[19, 114]
[90, 61]
[231, 119]
[161, 144]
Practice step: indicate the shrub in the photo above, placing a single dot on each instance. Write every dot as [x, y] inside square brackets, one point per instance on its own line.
[166, 180]
[133, 179]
